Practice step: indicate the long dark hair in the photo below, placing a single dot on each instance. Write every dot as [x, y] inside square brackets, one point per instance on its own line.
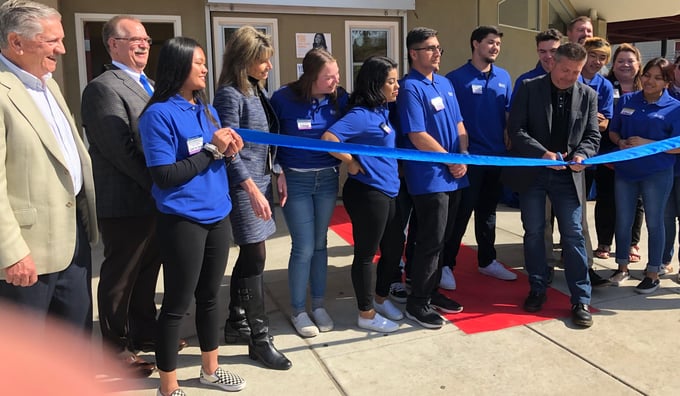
[370, 81]
[175, 61]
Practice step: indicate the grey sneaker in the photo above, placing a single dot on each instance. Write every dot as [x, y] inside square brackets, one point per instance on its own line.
[304, 325]
[398, 292]
[618, 277]
[498, 271]
[223, 379]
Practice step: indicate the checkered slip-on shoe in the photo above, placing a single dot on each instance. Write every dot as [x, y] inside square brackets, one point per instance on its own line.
[223, 379]
[176, 392]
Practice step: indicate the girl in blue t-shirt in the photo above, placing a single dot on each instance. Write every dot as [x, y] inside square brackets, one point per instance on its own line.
[185, 150]
[641, 118]
[307, 108]
[369, 192]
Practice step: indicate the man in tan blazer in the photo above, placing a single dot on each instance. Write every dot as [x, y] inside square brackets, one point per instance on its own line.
[47, 201]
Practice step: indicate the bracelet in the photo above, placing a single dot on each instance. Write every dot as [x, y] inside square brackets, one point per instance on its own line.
[212, 149]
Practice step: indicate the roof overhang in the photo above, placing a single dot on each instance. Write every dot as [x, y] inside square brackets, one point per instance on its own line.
[626, 10]
[368, 4]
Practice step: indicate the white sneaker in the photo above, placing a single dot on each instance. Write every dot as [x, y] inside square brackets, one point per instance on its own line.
[322, 319]
[447, 282]
[304, 325]
[498, 271]
[388, 310]
[378, 323]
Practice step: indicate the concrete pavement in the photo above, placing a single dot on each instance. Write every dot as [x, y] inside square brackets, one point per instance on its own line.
[629, 350]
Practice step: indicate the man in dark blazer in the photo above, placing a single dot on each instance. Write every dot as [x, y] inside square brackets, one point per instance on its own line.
[47, 195]
[111, 105]
[555, 117]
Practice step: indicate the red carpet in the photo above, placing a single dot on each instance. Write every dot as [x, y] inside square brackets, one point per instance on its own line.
[489, 304]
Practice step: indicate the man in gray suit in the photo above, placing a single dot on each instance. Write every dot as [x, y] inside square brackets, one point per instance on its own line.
[47, 194]
[111, 105]
[555, 117]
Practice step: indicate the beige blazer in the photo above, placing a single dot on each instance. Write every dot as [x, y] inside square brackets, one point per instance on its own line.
[37, 201]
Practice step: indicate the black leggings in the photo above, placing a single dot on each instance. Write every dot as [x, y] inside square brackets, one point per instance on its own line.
[194, 259]
[371, 212]
[250, 261]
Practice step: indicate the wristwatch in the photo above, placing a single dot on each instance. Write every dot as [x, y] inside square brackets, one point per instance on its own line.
[211, 148]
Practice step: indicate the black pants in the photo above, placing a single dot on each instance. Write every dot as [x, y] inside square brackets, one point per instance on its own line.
[395, 236]
[127, 281]
[482, 197]
[66, 295]
[436, 213]
[371, 212]
[605, 209]
[194, 259]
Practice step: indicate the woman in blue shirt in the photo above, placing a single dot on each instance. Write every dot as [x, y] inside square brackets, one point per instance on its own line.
[369, 192]
[307, 108]
[640, 118]
[185, 149]
[673, 206]
[242, 102]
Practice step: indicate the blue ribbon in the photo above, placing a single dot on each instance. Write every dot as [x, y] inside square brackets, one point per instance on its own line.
[450, 158]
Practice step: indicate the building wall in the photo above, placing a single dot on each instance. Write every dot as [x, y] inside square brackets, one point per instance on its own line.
[454, 21]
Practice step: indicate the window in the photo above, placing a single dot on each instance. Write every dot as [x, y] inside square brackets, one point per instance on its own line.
[367, 39]
[223, 27]
[523, 14]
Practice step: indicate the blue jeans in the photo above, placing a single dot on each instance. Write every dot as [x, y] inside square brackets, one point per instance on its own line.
[654, 190]
[311, 201]
[559, 187]
[672, 213]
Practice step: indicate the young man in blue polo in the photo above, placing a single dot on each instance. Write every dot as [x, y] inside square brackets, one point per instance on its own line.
[483, 91]
[430, 121]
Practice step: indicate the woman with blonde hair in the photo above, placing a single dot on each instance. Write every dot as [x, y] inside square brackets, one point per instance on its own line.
[241, 102]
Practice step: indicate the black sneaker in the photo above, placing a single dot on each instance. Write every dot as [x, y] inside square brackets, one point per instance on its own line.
[596, 280]
[425, 316]
[647, 286]
[580, 315]
[445, 304]
[398, 292]
[534, 301]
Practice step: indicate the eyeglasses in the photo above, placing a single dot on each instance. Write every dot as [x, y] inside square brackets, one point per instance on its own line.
[431, 48]
[135, 40]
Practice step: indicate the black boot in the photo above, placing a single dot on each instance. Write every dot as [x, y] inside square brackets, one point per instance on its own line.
[236, 329]
[251, 294]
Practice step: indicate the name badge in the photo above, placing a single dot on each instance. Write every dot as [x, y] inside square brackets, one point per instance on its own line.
[616, 94]
[304, 124]
[194, 144]
[437, 103]
[386, 128]
[477, 89]
[627, 111]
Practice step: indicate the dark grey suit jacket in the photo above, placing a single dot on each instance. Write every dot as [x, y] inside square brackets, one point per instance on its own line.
[111, 105]
[529, 129]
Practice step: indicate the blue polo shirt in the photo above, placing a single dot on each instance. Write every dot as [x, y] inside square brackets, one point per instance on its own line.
[172, 131]
[634, 116]
[483, 102]
[306, 119]
[372, 127]
[533, 73]
[605, 94]
[429, 106]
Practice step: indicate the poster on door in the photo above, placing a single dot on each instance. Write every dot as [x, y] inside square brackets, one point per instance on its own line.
[306, 41]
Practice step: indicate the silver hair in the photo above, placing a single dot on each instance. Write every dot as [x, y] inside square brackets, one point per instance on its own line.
[23, 17]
